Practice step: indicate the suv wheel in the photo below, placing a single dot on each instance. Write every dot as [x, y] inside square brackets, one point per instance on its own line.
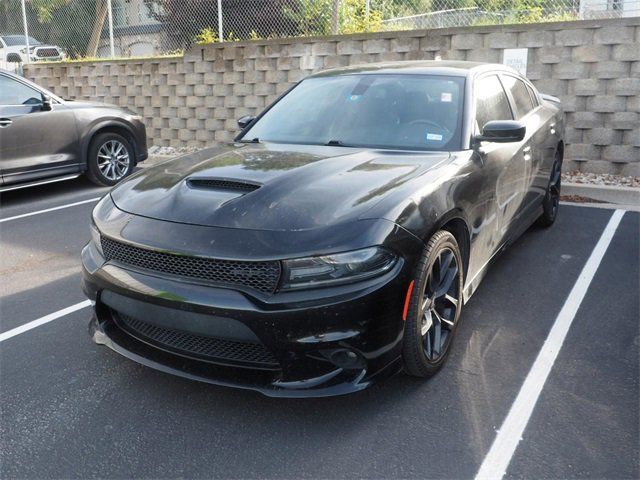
[111, 159]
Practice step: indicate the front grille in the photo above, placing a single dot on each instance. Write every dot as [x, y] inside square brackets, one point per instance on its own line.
[223, 184]
[260, 276]
[47, 52]
[199, 346]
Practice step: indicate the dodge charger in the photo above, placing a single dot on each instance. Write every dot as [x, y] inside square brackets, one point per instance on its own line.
[336, 240]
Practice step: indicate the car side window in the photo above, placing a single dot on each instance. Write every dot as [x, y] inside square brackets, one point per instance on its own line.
[520, 95]
[13, 92]
[491, 101]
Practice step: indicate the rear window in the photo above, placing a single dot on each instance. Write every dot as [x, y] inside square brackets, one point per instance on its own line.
[520, 95]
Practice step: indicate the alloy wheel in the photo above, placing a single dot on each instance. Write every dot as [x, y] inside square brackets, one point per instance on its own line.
[113, 160]
[554, 188]
[440, 303]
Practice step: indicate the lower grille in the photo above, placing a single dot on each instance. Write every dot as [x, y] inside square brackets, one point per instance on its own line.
[47, 52]
[261, 276]
[198, 346]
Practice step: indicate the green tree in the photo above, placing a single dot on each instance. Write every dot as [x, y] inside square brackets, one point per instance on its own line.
[45, 8]
[242, 19]
[313, 17]
[67, 23]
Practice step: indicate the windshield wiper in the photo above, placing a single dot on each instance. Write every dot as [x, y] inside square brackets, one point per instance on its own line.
[253, 140]
[334, 143]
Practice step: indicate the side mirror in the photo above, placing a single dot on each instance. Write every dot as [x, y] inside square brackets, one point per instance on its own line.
[46, 103]
[244, 122]
[502, 131]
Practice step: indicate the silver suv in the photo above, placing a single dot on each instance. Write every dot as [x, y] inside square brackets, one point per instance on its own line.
[45, 139]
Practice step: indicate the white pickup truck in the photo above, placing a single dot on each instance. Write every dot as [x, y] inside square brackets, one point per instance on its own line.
[13, 49]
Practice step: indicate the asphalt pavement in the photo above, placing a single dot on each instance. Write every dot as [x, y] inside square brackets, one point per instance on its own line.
[72, 409]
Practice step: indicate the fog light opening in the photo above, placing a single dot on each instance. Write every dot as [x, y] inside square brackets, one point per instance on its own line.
[346, 359]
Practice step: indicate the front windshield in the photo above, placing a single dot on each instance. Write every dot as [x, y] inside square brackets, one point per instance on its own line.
[16, 40]
[396, 111]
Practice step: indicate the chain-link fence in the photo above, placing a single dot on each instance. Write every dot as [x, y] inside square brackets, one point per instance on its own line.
[51, 30]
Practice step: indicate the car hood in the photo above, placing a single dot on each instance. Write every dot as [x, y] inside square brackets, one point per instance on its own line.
[274, 187]
[44, 45]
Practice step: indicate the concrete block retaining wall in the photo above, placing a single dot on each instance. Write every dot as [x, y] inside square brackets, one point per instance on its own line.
[593, 66]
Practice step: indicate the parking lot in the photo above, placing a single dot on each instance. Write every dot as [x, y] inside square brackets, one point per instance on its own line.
[71, 409]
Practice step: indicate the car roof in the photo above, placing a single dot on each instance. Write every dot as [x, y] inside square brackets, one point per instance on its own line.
[457, 68]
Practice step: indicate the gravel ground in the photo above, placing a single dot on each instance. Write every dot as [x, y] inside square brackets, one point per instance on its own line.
[569, 177]
[170, 151]
[601, 179]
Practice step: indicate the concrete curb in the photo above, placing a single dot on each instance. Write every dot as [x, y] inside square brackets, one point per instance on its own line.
[604, 193]
[606, 206]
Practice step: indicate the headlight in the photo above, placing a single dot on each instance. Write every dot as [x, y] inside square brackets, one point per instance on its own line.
[336, 269]
[95, 237]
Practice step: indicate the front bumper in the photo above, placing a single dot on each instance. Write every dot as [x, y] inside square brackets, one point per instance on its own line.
[58, 58]
[333, 342]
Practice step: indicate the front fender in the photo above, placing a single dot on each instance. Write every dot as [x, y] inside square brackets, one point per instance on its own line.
[428, 202]
[89, 131]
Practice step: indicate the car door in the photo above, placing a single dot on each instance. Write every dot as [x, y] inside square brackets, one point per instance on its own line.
[502, 166]
[533, 146]
[547, 138]
[34, 142]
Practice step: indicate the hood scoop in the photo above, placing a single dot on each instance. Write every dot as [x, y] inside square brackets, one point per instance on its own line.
[223, 184]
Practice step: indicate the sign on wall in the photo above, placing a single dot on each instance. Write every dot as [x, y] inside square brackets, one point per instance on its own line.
[516, 58]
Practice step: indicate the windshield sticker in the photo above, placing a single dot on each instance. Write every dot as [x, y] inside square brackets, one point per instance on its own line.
[434, 137]
[446, 97]
[363, 85]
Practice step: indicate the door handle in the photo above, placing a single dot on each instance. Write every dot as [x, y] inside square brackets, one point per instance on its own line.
[5, 122]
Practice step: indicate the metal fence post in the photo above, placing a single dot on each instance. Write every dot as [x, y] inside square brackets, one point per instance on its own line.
[26, 31]
[367, 11]
[220, 32]
[111, 43]
[335, 17]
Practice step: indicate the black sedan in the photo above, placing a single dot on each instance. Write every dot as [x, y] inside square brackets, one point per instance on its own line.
[335, 242]
[45, 139]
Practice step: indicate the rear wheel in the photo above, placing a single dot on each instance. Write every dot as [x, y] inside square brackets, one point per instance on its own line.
[551, 202]
[111, 159]
[434, 307]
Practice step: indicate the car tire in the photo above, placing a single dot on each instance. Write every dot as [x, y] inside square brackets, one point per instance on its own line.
[435, 304]
[111, 158]
[551, 202]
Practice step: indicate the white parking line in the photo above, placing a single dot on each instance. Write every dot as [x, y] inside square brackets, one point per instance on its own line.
[497, 460]
[2, 220]
[42, 320]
